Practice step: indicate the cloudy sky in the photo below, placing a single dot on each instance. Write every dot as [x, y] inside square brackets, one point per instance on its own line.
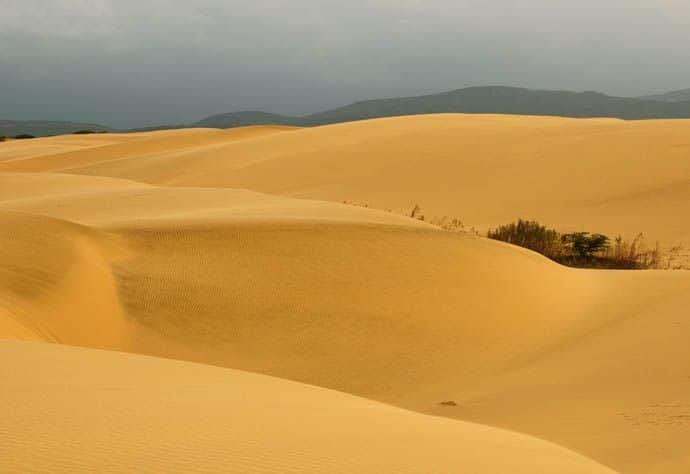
[138, 62]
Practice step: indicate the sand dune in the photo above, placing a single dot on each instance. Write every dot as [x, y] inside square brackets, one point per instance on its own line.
[133, 413]
[54, 281]
[27, 149]
[364, 301]
[18, 150]
[108, 202]
[56, 154]
[604, 175]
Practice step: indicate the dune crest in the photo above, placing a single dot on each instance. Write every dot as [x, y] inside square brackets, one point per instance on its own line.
[46, 154]
[121, 252]
[603, 175]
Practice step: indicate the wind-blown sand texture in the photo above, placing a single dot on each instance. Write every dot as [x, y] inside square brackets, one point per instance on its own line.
[130, 413]
[166, 244]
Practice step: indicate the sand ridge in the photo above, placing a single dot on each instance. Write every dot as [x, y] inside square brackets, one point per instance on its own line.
[120, 147]
[359, 300]
[364, 301]
[602, 175]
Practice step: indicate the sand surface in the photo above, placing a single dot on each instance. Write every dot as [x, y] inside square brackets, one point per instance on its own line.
[138, 414]
[150, 245]
[602, 175]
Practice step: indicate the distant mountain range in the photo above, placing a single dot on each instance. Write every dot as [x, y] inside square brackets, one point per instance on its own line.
[471, 100]
[42, 128]
[476, 100]
[674, 96]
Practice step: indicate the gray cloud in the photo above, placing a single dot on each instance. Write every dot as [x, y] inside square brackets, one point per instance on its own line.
[128, 63]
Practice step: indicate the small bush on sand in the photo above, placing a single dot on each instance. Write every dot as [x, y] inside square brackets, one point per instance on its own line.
[531, 235]
[88, 132]
[585, 245]
[580, 249]
[577, 249]
[24, 136]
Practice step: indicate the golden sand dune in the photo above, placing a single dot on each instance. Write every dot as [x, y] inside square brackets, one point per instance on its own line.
[363, 301]
[60, 153]
[108, 202]
[18, 150]
[138, 414]
[54, 280]
[604, 175]
[369, 302]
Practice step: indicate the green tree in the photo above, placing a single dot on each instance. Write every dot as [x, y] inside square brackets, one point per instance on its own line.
[584, 244]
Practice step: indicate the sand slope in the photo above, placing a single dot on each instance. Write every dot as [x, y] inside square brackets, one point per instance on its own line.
[364, 301]
[132, 413]
[54, 280]
[18, 150]
[59, 153]
[602, 175]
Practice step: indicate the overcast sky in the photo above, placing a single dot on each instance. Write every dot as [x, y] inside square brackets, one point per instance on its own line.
[137, 62]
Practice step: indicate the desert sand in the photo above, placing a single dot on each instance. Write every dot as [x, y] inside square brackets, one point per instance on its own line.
[192, 245]
[486, 170]
[130, 413]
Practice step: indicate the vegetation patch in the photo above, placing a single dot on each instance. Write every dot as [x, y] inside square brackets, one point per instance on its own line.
[88, 132]
[585, 249]
[575, 249]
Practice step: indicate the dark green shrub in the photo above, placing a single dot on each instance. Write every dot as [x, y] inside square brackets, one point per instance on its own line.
[83, 132]
[579, 249]
[24, 136]
[584, 244]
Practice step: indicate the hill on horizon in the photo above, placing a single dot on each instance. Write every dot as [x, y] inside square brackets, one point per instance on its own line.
[472, 100]
[42, 128]
[682, 95]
